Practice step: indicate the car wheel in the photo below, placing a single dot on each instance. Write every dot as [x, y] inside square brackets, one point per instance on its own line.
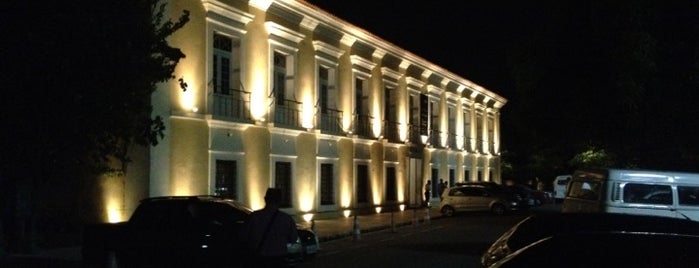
[498, 209]
[448, 211]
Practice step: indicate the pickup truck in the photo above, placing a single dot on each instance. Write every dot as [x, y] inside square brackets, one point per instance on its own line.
[202, 231]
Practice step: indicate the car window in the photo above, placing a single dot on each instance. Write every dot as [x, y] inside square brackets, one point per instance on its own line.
[688, 195]
[472, 191]
[456, 192]
[647, 194]
[162, 215]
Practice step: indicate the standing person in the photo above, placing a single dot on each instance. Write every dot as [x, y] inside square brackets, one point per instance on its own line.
[441, 186]
[268, 231]
[428, 192]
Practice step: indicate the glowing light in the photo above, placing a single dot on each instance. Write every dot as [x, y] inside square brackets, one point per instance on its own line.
[403, 132]
[346, 213]
[181, 187]
[112, 188]
[114, 214]
[376, 127]
[424, 138]
[402, 207]
[306, 199]
[308, 112]
[187, 99]
[443, 138]
[307, 217]
[258, 96]
[378, 209]
[460, 142]
[345, 194]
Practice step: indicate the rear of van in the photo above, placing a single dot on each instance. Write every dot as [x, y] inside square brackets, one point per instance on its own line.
[586, 191]
[641, 192]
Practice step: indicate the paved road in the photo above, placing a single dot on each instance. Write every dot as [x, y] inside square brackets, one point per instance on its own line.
[446, 242]
[432, 238]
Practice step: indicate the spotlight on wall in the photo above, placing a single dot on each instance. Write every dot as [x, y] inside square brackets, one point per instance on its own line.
[183, 84]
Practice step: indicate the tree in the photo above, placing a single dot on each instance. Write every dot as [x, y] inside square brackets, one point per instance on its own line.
[593, 157]
[78, 95]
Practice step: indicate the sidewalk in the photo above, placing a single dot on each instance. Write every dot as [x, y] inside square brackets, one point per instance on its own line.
[341, 227]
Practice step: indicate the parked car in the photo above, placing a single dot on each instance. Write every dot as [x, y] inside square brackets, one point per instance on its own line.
[196, 230]
[535, 197]
[478, 198]
[523, 193]
[543, 225]
[487, 184]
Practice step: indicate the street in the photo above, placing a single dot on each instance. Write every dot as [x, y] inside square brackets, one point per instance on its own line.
[455, 241]
[446, 242]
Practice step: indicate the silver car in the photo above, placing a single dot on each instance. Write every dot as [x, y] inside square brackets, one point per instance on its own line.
[478, 198]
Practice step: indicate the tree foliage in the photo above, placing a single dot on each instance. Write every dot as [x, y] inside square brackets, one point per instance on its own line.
[83, 78]
[593, 157]
[77, 90]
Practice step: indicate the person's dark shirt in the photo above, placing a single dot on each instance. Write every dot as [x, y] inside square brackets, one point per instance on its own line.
[281, 232]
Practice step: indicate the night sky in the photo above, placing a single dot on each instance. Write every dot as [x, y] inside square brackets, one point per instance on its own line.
[475, 46]
[622, 76]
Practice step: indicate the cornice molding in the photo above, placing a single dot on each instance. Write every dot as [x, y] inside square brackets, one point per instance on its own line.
[327, 49]
[226, 11]
[360, 61]
[260, 4]
[309, 23]
[390, 73]
[276, 29]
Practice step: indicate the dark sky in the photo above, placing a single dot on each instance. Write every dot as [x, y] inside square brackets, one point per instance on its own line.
[589, 74]
[474, 45]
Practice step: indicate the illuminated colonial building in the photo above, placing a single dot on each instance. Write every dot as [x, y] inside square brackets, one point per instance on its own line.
[283, 94]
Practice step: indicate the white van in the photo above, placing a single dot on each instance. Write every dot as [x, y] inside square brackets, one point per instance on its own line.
[560, 184]
[644, 192]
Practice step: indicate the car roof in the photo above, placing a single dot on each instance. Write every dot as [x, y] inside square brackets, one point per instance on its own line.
[603, 249]
[541, 225]
[198, 198]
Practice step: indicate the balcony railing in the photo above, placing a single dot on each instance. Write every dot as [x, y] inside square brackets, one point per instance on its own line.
[331, 121]
[435, 138]
[451, 140]
[233, 105]
[287, 113]
[363, 126]
[414, 134]
[391, 131]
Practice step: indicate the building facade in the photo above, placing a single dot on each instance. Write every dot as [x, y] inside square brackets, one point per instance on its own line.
[279, 93]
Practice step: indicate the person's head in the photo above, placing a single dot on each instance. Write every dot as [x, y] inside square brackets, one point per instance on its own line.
[273, 197]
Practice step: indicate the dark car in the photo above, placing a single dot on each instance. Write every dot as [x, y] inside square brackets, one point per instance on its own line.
[192, 230]
[544, 225]
[533, 196]
[607, 249]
